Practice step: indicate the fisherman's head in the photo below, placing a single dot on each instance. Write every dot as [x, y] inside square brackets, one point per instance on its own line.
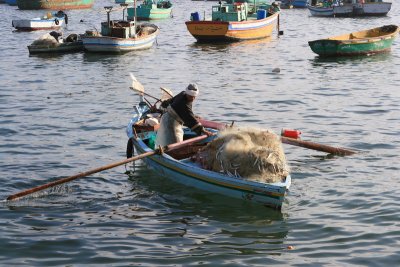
[191, 91]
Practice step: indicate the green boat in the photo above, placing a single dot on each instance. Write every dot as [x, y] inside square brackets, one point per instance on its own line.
[151, 9]
[367, 42]
[54, 4]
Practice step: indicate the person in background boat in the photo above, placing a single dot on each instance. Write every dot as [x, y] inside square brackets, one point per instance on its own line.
[56, 35]
[179, 112]
[273, 8]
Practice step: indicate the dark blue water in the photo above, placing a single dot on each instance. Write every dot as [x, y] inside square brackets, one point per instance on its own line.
[61, 115]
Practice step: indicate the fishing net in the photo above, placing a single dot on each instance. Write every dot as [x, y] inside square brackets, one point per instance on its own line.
[46, 39]
[249, 154]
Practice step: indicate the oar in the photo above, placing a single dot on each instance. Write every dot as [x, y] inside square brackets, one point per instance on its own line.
[319, 147]
[295, 142]
[106, 167]
[141, 92]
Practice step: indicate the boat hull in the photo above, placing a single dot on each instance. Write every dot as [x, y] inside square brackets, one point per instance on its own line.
[60, 48]
[299, 3]
[352, 10]
[118, 45]
[11, 2]
[189, 174]
[144, 13]
[37, 24]
[354, 46]
[54, 4]
[221, 31]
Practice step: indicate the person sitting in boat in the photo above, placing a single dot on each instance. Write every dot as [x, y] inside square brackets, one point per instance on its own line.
[179, 112]
[57, 36]
[273, 8]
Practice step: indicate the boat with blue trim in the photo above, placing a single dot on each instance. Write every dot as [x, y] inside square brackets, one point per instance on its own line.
[48, 21]
[181, 166]
[348, 8]
[235, 22]
[120, 36]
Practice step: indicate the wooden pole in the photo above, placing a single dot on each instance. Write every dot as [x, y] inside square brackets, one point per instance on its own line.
[106, 167]
[319, 147]
[291, 141]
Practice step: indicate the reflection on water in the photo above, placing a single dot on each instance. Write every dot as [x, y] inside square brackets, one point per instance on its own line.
[380, 57]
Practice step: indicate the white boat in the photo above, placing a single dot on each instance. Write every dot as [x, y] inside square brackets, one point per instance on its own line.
[120, 36]
[53, 42]
[350, 8]
[46, 22]
[178, 165]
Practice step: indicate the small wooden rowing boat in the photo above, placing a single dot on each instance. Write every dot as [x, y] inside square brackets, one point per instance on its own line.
[120, 36]
[372, 41]
[235, 22]
[51, 43]
[178, 166]
[49, 21]
[151, 10]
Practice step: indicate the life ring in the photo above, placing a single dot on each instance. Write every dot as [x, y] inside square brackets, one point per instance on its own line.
[56, 21]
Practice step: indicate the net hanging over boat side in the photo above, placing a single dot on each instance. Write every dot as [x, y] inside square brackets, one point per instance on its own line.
[250, 154]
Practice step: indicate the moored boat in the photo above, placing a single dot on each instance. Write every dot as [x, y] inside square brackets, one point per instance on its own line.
[179, 165]
[372, 41]
[120, 36]
[53, 42]
[235, 22]
[46, 22]
[11, 2]
[54, 4]
[349, 8]
[299, 3]
[151, 10]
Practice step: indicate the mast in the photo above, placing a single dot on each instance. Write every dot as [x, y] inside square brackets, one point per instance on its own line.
[134, 18]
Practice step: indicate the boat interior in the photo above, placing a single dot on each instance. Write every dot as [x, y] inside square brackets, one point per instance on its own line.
[148, 135]
[377, 32]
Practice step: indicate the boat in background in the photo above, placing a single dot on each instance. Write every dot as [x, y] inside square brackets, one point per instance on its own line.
[49, 21]
[11, 2]
[54, 4]
[367, 42]
[179, 165]
[124, 1]
[151, 10]
[53, 42]
[299, 3]
[349, 8]
[235, 22]
[120, 35]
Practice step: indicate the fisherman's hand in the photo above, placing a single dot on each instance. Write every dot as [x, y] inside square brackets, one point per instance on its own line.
[208, 133]
[164, 104]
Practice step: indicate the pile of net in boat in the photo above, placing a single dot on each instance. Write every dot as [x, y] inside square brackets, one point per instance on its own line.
[249, 154]
[46, 39]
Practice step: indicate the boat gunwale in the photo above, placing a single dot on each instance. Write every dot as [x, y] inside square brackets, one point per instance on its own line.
[360, 40]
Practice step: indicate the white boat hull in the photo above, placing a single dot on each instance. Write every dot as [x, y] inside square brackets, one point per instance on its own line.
[37, 24]
[114, 44]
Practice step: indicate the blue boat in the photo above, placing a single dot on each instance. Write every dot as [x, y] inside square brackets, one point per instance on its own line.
[300, 3]
[179, 166]
[11, 2]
